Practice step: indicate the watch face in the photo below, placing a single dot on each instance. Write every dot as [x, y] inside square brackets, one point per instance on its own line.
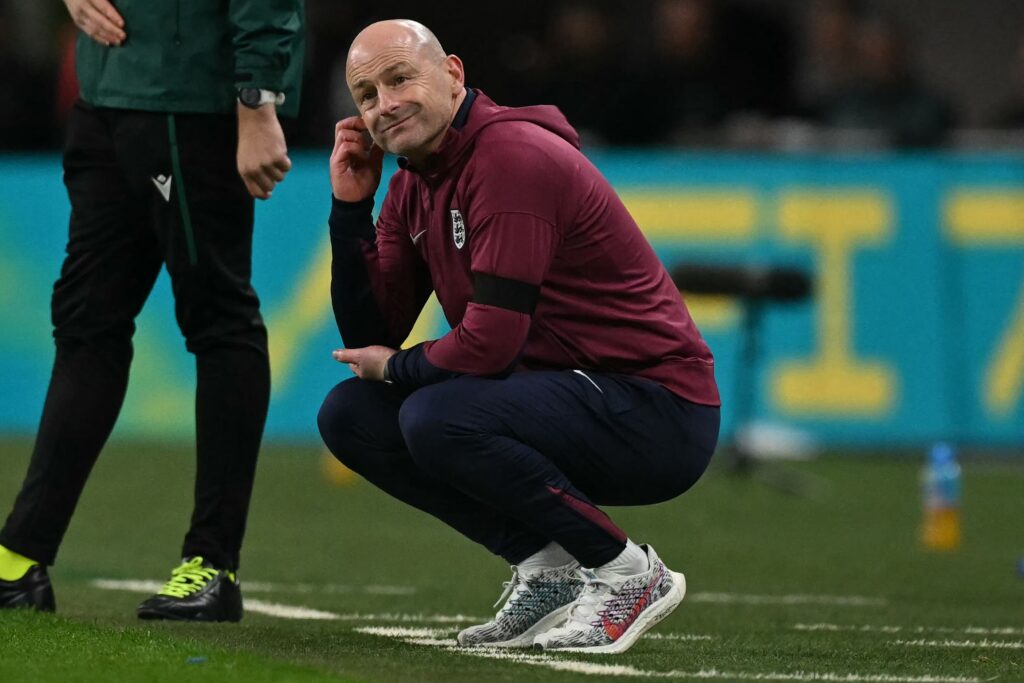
[250, 97]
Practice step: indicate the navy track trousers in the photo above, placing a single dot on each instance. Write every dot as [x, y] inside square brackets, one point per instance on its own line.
[516, 463]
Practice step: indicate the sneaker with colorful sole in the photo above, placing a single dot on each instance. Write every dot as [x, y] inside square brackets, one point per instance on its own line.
[612, 612]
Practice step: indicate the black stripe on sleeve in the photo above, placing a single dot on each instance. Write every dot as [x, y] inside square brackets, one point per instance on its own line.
[410, 368]
[502, 292]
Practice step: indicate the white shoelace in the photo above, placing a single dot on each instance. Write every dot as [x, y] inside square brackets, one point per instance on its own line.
[590, 602]
[512, 589]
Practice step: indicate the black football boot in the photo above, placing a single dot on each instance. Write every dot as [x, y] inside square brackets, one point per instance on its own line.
[197, 591]
[33, 591]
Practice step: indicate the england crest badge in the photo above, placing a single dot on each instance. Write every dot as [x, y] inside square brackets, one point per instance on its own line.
[458, 229]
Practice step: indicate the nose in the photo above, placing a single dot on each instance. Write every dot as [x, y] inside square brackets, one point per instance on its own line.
[388, 104]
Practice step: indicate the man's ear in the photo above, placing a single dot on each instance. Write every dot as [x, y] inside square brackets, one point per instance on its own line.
[457, 73]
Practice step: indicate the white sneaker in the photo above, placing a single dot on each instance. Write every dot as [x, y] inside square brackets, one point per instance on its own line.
[612, 612]
[537, 602]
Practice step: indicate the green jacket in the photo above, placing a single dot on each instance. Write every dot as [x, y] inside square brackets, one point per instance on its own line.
[191, 56]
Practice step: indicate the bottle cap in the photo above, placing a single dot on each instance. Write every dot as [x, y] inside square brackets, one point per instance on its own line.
[942, 452]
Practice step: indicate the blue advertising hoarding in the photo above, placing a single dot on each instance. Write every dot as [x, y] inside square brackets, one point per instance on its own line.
[915, 331]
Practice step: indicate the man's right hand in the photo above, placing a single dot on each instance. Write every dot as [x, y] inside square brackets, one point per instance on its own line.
[356, 163]
[98, 19]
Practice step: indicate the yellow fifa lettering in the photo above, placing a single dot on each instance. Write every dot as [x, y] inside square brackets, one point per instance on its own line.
[995, 219]
[713, 313]
[705, 215]
[834, 381]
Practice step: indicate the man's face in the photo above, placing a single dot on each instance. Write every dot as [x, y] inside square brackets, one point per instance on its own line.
[405, 97]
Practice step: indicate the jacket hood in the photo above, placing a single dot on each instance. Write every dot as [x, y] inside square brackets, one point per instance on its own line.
[484, 112]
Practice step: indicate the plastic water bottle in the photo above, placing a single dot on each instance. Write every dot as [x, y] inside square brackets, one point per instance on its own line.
[941, 488]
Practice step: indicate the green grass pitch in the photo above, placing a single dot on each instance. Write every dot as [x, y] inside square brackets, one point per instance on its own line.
[780, 588]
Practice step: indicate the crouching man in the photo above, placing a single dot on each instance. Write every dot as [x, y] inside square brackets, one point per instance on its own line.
[573, 375]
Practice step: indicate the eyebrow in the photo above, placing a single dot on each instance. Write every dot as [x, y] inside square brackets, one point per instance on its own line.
[363, 82]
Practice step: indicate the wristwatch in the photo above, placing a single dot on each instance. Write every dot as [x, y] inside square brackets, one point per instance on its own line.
[254, 98]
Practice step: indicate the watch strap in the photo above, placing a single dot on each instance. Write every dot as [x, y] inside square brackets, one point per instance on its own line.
[265, 97]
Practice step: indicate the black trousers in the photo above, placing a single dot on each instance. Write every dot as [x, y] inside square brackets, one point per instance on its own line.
[149, 190]
[516, 463]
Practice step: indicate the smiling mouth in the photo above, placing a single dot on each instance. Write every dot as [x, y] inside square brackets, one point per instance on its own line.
[396, 123]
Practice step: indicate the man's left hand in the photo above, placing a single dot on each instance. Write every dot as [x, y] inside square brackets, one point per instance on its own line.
[366, 363]
[262, 152]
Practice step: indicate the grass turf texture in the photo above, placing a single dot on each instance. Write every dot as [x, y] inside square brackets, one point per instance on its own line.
[729, 535]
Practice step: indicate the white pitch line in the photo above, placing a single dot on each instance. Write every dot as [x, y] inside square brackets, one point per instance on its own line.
[131, 585]
[676, 636]
[996, 631]
[797, 599]
[427, 637]
[434, 642]
[389, 590]
[415, 618]
[985, 644]
[865, 628]
[405, 632]
[274, 609]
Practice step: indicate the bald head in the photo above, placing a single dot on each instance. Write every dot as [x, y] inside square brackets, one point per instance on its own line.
[401, 33]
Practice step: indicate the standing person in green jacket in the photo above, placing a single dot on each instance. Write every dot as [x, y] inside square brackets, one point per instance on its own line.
[174, 135]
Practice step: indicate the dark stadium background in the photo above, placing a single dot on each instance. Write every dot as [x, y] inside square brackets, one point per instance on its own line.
[594, 58]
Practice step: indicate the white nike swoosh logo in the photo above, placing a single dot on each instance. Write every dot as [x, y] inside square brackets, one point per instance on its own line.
[417, 236]
[163, 184]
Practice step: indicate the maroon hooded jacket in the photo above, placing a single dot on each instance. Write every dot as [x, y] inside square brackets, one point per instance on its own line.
[534, 259]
